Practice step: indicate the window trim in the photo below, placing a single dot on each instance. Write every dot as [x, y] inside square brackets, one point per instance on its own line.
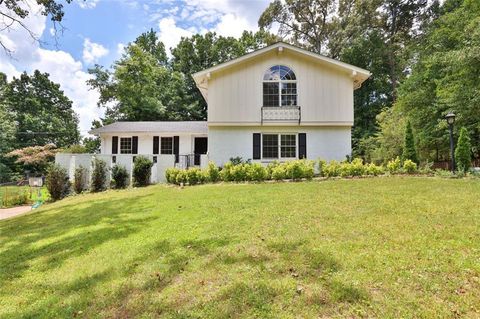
[160, 146]
[120, 145]
[279, 146]
[280, 81]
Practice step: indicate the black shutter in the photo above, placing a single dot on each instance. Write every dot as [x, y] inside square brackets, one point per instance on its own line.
[156, 142]
[302, 145]
[176, 145]
[134, 144]
[256, 145]
[114, 144]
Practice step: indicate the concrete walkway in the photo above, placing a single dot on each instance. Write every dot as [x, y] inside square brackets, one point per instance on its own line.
[14, 211]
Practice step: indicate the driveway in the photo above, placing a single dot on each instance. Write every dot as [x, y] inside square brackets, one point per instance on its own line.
[15, 211]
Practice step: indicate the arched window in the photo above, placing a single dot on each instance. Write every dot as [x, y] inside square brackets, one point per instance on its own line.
[279, 87]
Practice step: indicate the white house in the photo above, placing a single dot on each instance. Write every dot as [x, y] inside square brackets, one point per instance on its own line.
[277, 103]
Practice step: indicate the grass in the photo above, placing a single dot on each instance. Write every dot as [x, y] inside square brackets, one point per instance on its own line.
[21, 195]
[379, 247]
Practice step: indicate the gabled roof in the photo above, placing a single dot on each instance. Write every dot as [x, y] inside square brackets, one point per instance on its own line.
[358, 75]
[197, 127]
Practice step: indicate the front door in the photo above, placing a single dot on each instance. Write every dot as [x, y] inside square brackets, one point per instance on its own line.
[200, 147]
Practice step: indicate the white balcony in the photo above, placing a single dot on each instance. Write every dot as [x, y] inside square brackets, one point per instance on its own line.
[281, 114]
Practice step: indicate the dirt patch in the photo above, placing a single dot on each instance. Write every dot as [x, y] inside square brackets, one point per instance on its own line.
[14, 211]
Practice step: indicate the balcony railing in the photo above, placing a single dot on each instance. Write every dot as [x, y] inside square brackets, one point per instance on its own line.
[281, 114]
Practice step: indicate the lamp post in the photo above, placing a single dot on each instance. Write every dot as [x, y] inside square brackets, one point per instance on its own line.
[450, 120]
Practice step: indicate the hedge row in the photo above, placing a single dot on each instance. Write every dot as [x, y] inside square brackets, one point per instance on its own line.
[239, 171]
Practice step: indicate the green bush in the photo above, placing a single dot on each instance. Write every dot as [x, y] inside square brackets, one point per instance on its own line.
[226, 172]
[171, 175]
[142, 170]
[332, 169]
[15, 198]
[374, 170]
[256, 172]
[394, 166]
[270, 167]
[409, 151]
[279, 172]
[80, 179]
[321, 166]
[463, 152]
[57, 182]
[212, 172]
[98, 181]
[409, 166]
[181, 177]
[195, 176]
[119, 177]
[299, 169]
[354, 168]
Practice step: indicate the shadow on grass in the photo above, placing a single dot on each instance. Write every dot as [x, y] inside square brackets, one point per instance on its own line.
[23, 245]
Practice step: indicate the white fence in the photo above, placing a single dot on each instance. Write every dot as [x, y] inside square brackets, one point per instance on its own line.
[72, 161]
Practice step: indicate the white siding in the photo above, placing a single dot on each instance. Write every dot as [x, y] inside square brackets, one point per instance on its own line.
[145, 142]
[325, 95]
[329, 143]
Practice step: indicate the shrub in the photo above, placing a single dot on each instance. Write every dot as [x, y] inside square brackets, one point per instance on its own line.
[463, 152]
[142, 170]
[270, 167]
[171, 175]
[332, 169]
[181, 177]
[13, 198]
[410, 166]
[212, 172]
[279, 172]
[239, 160]
[74, 149]
[57, 182]
[98, 181]
[394, 166]
[321, 166]
[299, 169]
[195, 176]
[354, 168]
[119, 177]
[256, 172]
[372, 169]
[409, 151]
[80, 179]
[426, 168]
[226, 172]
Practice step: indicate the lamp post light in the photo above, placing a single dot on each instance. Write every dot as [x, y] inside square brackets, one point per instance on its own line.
[450, 120]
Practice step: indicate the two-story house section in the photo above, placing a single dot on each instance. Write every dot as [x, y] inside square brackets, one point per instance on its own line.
[280, 103]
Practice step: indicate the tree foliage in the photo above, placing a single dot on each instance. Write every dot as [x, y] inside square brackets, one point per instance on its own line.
[41, 111]
[35, 158]
[409, 151]
[444, 77]
[463, 152]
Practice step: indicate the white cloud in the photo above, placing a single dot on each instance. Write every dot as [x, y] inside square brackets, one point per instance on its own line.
[233, 25]
[87, 4]
[170, 34]
[93, 51]
[120, 49]
[61, 66]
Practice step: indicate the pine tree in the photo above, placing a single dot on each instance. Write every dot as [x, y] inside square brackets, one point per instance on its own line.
[409, 151]
[463, 151]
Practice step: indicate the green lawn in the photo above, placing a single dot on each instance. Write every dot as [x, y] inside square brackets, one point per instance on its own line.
[379, 247]
[8, 194]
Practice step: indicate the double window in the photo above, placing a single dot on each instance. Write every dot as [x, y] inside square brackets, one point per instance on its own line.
[279, 146]
[166, 145]
[125, 145]
[279, 87]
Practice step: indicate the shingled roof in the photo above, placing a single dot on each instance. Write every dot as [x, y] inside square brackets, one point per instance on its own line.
[197, 127]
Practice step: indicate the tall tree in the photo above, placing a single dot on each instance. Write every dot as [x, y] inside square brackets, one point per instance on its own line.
[409, 150]
[141, 85]
[443, 78]
[463, 152]
[41, 111]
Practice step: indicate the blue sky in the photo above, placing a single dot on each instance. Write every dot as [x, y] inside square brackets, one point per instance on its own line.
[96, 31]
